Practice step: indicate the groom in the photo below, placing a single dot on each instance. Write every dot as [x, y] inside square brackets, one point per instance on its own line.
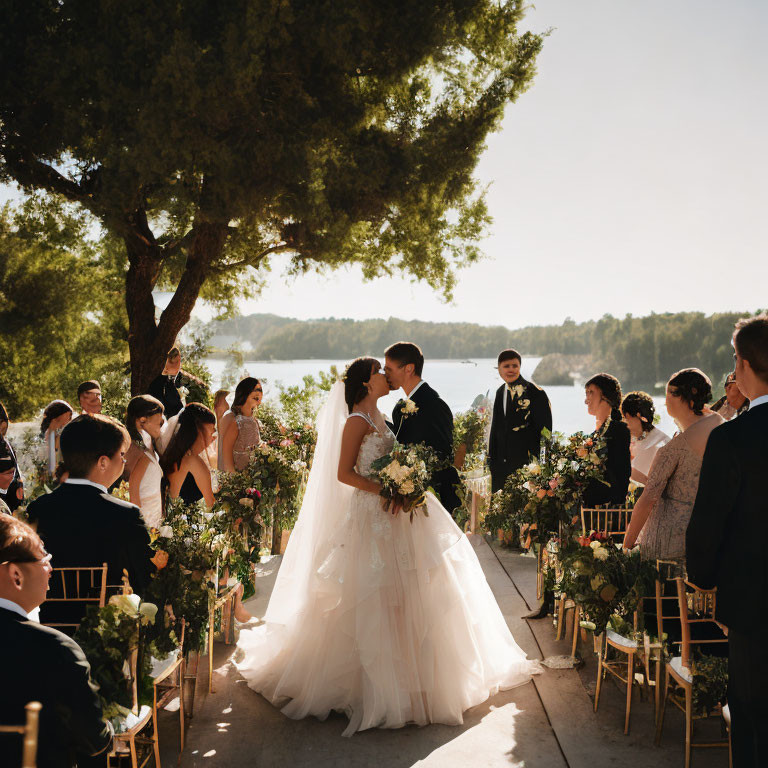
[424, 417]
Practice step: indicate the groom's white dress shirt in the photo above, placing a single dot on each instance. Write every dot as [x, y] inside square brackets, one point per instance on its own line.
[413, 391]
[83, 481]
[758, 401]
[9, 605]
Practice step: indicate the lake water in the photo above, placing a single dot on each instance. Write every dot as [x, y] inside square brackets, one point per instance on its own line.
[458, 382]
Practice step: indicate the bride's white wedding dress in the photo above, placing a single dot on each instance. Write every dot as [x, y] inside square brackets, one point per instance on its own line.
[387, 620]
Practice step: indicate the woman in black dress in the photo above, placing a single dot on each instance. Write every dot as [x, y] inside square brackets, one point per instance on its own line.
[603, 401]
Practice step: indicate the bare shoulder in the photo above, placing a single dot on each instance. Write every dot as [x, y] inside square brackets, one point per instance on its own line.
[356, 426]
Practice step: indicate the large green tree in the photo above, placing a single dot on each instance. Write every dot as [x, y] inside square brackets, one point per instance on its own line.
[209, 136]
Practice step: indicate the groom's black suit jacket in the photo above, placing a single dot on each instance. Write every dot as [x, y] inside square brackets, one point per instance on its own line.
[432, 424]
[42, 664]
[725, 540]
[81, 526]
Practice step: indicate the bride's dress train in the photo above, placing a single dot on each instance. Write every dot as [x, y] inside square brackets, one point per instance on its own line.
[392, 623]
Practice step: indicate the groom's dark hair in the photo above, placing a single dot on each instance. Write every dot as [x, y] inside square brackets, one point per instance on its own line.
[404, 352]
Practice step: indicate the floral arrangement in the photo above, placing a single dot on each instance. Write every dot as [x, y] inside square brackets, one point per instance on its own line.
[405, 473]
[186, 546]
[469, 430]
[545, 494]
[33, 463]
[604, 580]
[710, 681]
[108, 636]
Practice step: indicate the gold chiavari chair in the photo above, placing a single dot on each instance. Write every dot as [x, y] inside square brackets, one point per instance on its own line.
[640, 652]
[226, 597]
[697, 609]
[77, 585]
[167, 682]
[29, 733]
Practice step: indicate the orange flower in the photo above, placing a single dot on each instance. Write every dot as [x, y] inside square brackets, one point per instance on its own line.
[160, 559]
[541, 493]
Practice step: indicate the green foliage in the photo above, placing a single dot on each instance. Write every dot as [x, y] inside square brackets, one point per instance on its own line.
[710, 682]
[61, 307]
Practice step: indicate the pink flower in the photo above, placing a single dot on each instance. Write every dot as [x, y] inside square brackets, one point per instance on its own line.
[554, 482]
[286, 442]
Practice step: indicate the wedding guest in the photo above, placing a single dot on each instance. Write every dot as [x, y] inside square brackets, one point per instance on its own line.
[239, 432]
[220, 405]
[733, 403]
[89, 397]
[56, 416]
[7, 474]
[144, 420]
[638, 411]
[661, 514]
[13, 494]
[80, 523]
[603, 401]
[725, 542]
[521, 411]
[189, 477]
[165, 387]
[42, 664]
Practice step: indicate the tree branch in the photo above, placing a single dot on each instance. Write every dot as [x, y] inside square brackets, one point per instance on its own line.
[252, 261]
[29, 171]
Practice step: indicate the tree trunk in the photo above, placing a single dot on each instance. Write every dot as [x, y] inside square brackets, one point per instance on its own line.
[150, 340]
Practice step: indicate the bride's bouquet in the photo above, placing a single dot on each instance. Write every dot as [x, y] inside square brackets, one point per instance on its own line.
[405, 472]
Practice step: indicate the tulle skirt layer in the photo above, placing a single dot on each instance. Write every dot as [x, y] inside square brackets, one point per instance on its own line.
[397, 625]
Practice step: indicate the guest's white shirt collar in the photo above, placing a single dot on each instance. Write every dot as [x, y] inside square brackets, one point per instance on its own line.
[11, 606]
[762, 400]
[413, 391]
[83, 481]
[3, 491]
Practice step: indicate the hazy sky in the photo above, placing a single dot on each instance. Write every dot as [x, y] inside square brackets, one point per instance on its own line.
[632, 177]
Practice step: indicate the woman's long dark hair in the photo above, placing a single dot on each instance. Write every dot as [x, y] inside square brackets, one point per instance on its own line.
[52, 411]
[242, 390]
[191, 421]
[357, 375]
[141, 407]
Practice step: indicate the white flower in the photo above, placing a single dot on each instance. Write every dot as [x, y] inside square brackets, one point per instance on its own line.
[594, 544]
[407, 487]
[127, 603]
[148, 611]
[299, 465]
[601, 553]
[534, 468]
[165, 532]
[410, 407]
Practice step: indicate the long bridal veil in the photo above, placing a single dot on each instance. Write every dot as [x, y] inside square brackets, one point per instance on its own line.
[325, 505]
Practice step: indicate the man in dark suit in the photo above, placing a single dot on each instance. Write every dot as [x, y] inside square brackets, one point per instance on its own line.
[424, 417]
[80, 523]
[165, 387]
[521, 411]
[725, 542]
[42, 664]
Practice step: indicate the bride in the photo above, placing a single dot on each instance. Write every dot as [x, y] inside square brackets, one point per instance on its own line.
[387, 620]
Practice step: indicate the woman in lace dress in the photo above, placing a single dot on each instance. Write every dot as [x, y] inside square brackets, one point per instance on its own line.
[388, 620]
[661, 515]
[239, 428]
[144, 420]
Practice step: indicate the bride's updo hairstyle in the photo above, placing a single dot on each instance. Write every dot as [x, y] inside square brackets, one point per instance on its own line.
[357, 375]
[610, 388]
[242, 390]
[191, 421]
[693, 386]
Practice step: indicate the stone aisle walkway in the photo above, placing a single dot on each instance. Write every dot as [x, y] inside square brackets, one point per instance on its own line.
[548, 723]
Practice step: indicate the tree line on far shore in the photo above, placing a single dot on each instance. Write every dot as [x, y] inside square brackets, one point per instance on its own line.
[641, 351]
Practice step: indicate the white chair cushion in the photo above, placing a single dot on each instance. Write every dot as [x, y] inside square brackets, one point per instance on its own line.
[677, 666]
[130, 721]
[158, 666]
[618, 639]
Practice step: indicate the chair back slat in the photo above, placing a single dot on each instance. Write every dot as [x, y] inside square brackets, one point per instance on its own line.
[30, 733]
[83, 585]
[611, 520]
[697, 607]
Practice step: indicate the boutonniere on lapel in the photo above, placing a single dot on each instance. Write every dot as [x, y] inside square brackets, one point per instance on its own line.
[407, 408]
[521, 404]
